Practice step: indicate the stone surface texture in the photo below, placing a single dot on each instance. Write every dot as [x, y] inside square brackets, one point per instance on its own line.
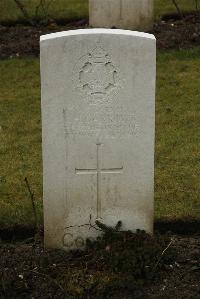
[98, 122]
[124, 14]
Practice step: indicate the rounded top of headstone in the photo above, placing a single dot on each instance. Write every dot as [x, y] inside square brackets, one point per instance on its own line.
[96, 31]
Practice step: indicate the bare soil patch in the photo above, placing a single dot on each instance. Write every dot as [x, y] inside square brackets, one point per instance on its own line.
[172, 32]
[30, 271]
[22, 40]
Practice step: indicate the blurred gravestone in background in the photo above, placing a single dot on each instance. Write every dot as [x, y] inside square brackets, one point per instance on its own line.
[125, 14]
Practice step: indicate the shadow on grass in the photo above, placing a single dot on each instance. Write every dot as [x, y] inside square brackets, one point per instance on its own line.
[186, 226]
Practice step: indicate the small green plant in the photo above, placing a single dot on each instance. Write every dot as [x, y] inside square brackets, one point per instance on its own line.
[117, 262]
[127, 252]
[129, 258]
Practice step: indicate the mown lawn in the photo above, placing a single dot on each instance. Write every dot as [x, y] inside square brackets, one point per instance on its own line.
[177, 186]
[177, 190]
[162, 7]
[20, 135]
[75, 9]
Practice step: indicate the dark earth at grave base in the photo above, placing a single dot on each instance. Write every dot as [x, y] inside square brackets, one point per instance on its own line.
[171, 32]
[29, 271]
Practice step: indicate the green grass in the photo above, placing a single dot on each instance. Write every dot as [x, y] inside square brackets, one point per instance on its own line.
[162, 7]
[178, 135]
[73, 9]
[70, 9]
[177, 158]
[20, 135]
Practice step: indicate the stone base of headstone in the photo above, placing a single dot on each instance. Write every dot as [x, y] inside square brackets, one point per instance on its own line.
[124, 14]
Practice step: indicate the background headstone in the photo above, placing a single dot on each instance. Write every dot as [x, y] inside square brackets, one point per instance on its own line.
[125, 14]
[98, 97]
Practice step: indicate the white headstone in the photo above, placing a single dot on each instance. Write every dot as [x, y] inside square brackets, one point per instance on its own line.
[98, 96]
[125, 14]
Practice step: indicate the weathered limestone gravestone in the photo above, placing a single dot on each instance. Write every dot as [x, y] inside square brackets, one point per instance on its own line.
[98, 94]
[125, 14]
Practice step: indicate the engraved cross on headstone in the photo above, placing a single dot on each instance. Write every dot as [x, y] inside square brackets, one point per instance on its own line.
[98, 171]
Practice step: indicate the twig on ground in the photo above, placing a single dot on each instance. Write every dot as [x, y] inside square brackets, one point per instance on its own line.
[44, 6]
[158, 261]
[197, 4]
[90, 225]
[24, 11]
[32, 201]
[178, 9]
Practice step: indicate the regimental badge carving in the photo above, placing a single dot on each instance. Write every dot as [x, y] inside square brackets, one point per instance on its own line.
[97, 75]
